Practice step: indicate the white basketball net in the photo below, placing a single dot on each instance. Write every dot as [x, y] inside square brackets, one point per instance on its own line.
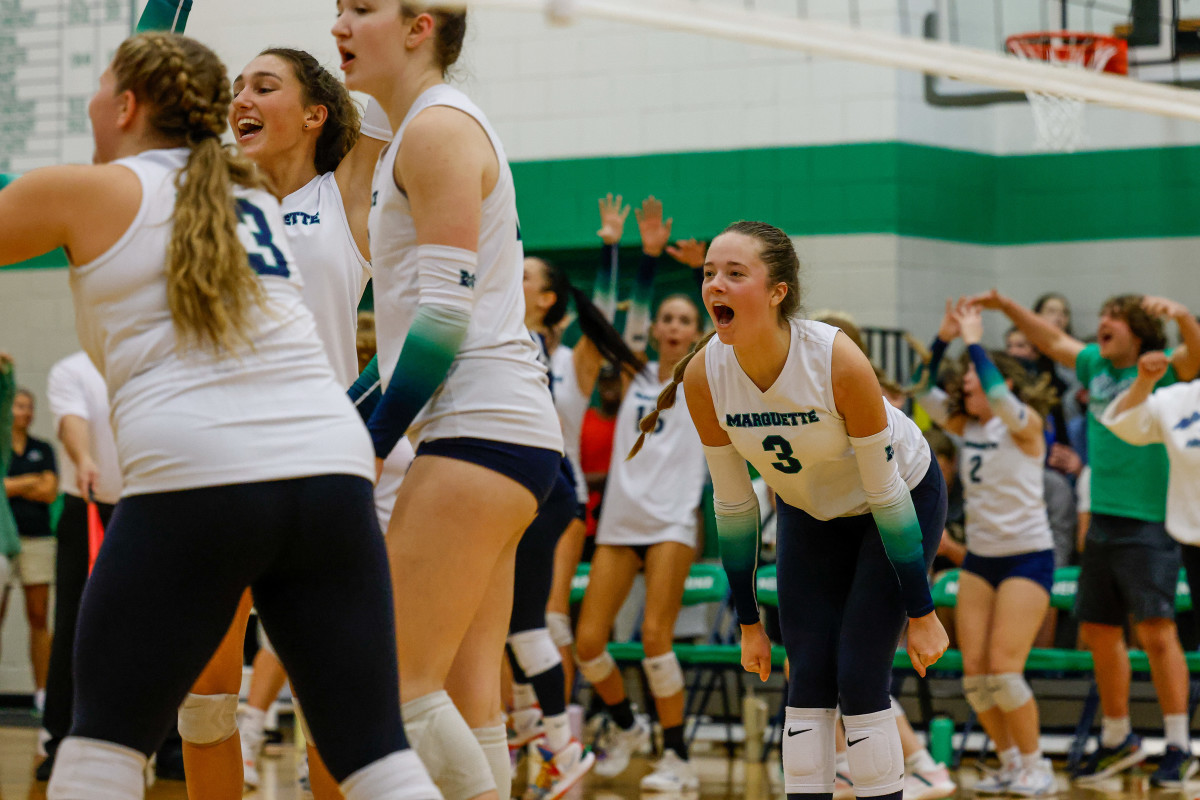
[1058, 118]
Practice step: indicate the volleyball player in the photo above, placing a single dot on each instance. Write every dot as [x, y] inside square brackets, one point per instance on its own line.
[1007, 575]
[297, 122]
[1130, 564]
[187, 301]
[860, 502]
[468, 388]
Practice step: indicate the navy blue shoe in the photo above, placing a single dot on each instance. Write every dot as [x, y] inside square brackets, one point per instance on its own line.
[1174, 769]
[1108, 761]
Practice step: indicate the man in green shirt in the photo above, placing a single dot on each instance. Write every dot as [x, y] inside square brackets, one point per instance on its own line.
[1130, 564]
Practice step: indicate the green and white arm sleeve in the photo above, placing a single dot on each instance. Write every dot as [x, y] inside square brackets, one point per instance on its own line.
[447, 285]
[738, 526]
[896, 517]
[927, 394]
[637, 322]
[604, 295]
[367, 390]
[1004, 404]
[170, 16]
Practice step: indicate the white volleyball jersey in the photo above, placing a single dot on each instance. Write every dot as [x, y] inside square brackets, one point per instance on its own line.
[652, 497]
[1004, 493]
[496, 389]
[335, 272]
[74, 388]
[793, 434]
[188, 418]
[571, 405]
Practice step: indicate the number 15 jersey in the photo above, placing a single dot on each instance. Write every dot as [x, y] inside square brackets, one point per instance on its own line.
[185, 417]
[792, 432]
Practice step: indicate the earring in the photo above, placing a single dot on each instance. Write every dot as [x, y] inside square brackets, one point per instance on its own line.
[306, 126]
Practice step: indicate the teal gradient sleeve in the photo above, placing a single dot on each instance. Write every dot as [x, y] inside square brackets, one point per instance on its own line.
[170, 16]
[925, 376]
[367, 390]
[1001, 400]
[604, 295]
[738, 533]
[429, 350]
[637, 323]
[900, 531]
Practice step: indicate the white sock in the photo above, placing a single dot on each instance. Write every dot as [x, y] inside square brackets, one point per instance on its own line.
[1031, 760]
[558, 731]
[843, 763]
[494, 742]
[1009, 757]
[1175, 726]
[523, 696]
[252, 724]
[1113, 731]
[96, 770]
[920, 761]
[39, 700]
[399, 776]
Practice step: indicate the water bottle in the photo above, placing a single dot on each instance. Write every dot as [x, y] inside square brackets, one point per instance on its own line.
[941, 736]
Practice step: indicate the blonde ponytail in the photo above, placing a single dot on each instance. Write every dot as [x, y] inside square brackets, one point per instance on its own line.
[666, 398]
[211, 288]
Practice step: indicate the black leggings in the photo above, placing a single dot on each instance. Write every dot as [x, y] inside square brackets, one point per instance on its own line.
[840, 608]
[171, 573]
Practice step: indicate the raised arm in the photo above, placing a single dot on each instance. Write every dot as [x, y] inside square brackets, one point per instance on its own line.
[1129, 416]
[444, 161]
[1186, 358]
[737, 515]
[859, 400]
[612, 226]
[1023, 423]
[1057, 345]
[925, 388]
[655, 234]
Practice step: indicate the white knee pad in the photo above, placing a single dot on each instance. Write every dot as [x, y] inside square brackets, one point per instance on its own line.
[89, 769]
[1009, 690]
[447, 747]
[206, 719]
[874, 753]
[978, 693]
[399, 776]
[493, 740]
[559, 625]
[808, 759]
[664, 675]
[535, 651]
[598, 668]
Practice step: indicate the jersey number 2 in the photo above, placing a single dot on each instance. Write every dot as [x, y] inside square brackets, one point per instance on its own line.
[783, 455]
[976, 463]
[265, 258]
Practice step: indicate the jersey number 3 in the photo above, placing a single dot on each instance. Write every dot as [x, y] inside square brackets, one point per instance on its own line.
[265, 258]
[783, 455]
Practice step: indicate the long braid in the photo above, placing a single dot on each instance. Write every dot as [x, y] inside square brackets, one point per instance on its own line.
[211, 287]
[666, 398]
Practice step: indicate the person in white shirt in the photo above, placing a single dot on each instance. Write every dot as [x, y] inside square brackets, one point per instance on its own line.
[1168, 416]
[78, 399]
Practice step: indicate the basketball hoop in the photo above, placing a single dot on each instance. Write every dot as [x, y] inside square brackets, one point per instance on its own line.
[1058, 118]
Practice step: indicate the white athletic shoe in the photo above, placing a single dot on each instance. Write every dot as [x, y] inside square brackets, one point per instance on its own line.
[615, 746]
[560, 771]
[843, 787]
[251, 748]
[1035, 781]
[671, 774]
[930, 784]
[997, 781]
[524, 726]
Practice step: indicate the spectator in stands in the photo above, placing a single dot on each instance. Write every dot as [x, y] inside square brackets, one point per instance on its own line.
[78, 399]
[31, 485]
[1130, 564]
[10, 544]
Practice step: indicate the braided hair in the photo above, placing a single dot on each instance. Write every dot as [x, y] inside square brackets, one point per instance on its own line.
[211, 288]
